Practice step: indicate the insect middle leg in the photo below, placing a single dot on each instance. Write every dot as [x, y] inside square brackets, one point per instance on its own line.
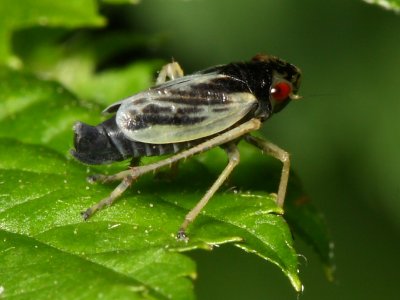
[278, 153]
[234, 158]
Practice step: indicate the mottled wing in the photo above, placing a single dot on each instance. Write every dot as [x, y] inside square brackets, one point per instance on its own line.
[188, 108]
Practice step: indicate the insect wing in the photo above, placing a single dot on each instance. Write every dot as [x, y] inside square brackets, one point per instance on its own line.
[185, 109]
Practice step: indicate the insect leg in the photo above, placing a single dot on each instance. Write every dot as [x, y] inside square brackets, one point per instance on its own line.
[234, 158]
[126, 182]
[278, 153]
[172, 71]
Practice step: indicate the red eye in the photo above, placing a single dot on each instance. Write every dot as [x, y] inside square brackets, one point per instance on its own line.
[281, 90]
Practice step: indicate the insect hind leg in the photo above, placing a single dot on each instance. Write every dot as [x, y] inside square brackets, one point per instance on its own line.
[234, 158]
[172, 71]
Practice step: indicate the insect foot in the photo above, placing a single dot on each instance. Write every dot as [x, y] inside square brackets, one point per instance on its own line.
[95, 178]
[86, 214]
[181, 235]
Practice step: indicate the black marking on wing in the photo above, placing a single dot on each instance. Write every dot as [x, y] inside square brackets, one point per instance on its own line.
[147, 120]
[194, 98]
[189, 110]
[139, 101]
[220, 109]
[224, 85]
[156, 109]
[212, 92]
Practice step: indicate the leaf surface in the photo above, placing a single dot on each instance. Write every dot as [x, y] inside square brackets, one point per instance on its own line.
[129, 249]
[21, 14]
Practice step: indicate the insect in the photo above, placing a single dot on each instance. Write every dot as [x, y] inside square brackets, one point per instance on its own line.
[185, 115]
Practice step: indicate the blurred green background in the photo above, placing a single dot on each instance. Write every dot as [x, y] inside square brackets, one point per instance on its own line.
[343, 137]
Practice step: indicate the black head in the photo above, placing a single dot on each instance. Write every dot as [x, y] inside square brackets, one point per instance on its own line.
[280, 81]
[93, 146]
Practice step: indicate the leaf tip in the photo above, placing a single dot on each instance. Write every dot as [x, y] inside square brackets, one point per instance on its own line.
[296, 283]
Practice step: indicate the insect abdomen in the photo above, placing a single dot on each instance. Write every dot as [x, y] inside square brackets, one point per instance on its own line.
[106, 143]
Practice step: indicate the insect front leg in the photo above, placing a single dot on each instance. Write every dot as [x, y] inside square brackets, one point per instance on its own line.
[234, 158]
[172, 71]
[278, 153]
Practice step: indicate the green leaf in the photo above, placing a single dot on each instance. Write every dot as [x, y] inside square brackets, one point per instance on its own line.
[386, 4]
[135, 238]
[129, 248]
[39, 112]
[21, 14]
